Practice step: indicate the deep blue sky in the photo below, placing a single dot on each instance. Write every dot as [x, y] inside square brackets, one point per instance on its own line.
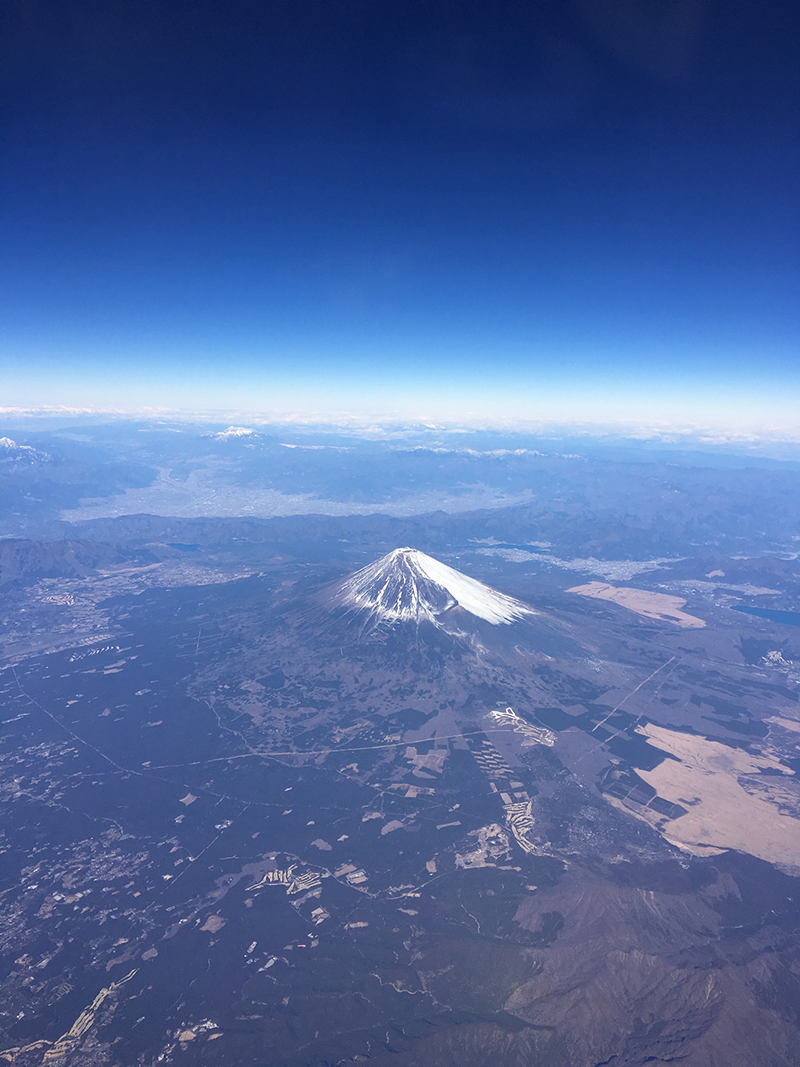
[510, 207]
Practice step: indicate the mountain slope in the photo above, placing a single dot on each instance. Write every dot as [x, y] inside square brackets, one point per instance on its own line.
[409, 586]
[12, 452]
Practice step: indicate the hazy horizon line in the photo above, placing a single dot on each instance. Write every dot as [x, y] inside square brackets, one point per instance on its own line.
[666, 429]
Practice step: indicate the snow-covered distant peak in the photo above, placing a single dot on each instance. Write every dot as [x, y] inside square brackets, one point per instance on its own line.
[232, 432]
[11, 451]
[408, 585]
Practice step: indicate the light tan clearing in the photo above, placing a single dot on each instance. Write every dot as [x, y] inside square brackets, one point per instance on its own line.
[660, 606]
[213, 923]
[428, 764]
[395, 824]
[787, 724]
[490, 845]
[731, 804]
[190, 798]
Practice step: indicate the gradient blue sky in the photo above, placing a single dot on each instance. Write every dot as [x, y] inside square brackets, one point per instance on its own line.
[582, 208]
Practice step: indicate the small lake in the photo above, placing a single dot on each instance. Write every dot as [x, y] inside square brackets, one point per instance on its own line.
[789, 618]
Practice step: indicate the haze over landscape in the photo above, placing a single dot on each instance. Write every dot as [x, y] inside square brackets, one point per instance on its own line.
[399, 534]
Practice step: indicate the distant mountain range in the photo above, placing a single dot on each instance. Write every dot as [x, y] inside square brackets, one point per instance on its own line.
[23, 561]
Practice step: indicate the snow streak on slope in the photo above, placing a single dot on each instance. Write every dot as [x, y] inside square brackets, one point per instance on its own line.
[407, 585]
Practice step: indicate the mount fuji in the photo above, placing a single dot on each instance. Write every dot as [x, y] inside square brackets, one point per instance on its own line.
[407, 585]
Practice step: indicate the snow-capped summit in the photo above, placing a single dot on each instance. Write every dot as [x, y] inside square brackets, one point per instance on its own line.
[407, 585]
[233, 432]
[13, 452]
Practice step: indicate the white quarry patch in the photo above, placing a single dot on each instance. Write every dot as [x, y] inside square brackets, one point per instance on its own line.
[408, 585]
[533, 734]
